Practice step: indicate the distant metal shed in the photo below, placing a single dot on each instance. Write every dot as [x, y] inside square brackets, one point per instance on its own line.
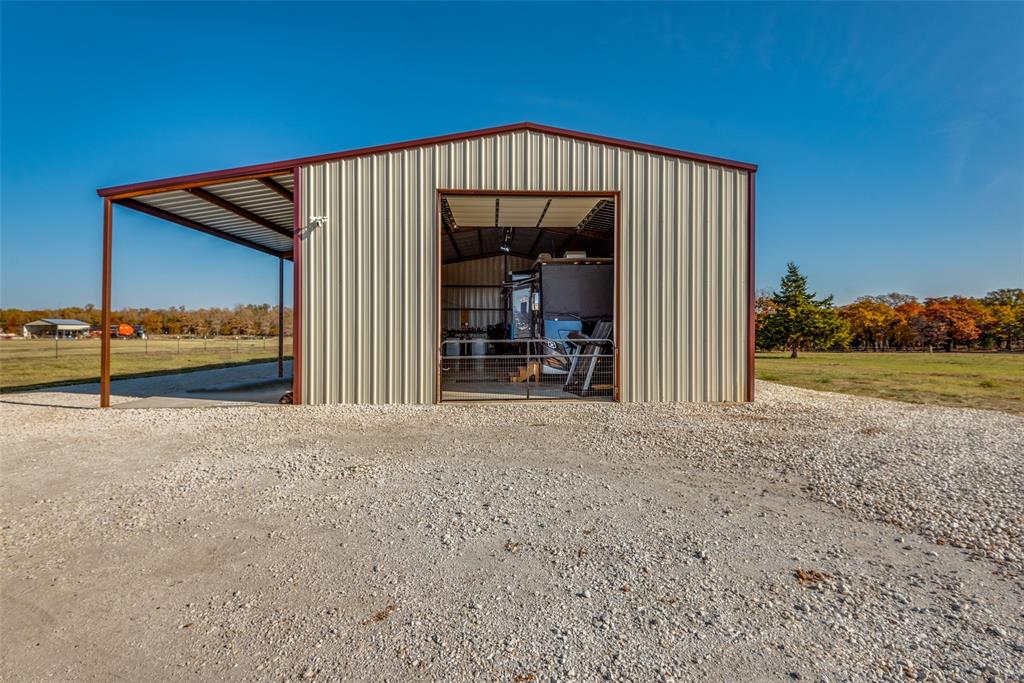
[59, 327]
[370, 229]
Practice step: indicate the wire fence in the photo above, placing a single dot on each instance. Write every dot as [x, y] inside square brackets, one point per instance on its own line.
[23, 349]
[485, 369]
[28, 363]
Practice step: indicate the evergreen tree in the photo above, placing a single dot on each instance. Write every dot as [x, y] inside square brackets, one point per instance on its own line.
[799, 320]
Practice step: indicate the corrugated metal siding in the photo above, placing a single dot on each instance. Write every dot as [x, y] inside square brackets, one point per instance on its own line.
[485, 273]
[482, 271]
[369, 272]
[254, 197]
[247, 194]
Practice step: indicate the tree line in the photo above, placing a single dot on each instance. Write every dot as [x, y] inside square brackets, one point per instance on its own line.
[794, 319]
[791, 318]
[244, 319]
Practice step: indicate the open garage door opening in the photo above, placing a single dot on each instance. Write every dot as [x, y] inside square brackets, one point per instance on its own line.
[527, 296]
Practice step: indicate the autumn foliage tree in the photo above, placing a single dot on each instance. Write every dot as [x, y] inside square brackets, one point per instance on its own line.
[1006, 307]
[248, 319]
[870, 320]
[903, 332]
[799, 320]
[955, 321]
[876, 323]
[899, 321]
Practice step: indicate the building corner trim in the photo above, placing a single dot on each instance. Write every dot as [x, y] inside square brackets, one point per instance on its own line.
[751, 295]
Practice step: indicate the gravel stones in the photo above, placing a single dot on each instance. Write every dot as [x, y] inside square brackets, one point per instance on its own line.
[608, 542]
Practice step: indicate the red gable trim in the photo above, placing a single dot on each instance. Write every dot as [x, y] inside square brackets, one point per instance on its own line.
[287, 166]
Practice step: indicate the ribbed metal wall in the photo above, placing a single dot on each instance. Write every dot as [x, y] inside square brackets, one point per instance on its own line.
[482, 271]
[248, 194]
[476, 291]
[369, 271]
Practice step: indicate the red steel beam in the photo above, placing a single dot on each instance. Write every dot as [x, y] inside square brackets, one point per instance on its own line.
[751, 317]
[297, 289]
[231, 207]
[277, 187]
[617, 304]
[108, 240]
[528, 193]
[280, 317]
[183, 183]
[189, 223]
[438, 275]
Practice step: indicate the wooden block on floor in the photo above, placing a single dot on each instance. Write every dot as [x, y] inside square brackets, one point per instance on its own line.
[526, 373]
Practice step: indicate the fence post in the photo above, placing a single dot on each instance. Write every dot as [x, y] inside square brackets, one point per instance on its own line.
[179, 343]
[529, 346]
[56, 349]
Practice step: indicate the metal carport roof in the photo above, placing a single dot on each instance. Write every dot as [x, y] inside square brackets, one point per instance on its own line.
[255, 212]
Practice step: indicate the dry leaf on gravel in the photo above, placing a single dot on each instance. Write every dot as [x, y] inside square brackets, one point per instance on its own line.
[379, 616]
[807, 576]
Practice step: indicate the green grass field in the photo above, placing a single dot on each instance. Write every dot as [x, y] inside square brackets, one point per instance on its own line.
[993, 381]
[28, 364]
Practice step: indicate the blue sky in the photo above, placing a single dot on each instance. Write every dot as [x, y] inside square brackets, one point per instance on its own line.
[890, 137]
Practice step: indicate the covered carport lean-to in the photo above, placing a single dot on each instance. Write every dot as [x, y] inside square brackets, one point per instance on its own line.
[249, 207]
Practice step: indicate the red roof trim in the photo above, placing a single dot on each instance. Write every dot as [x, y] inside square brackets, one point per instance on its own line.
[288, 165]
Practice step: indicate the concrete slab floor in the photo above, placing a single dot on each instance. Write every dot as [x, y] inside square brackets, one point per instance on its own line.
[251, 384]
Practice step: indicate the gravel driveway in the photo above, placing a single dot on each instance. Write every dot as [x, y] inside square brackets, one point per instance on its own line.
[808, 536]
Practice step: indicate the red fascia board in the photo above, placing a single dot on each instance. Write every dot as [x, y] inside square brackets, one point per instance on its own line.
[289, 165]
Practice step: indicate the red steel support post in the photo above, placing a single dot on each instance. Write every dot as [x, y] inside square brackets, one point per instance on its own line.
[297, 288]
[751, 317]
[108, 230]
[280, 317]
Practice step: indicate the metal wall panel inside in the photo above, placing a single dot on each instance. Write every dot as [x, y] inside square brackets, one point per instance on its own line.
[474, 287]
[369, 271]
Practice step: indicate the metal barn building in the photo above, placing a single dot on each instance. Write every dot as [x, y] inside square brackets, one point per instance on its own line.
[502, 261]
[55, 327]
